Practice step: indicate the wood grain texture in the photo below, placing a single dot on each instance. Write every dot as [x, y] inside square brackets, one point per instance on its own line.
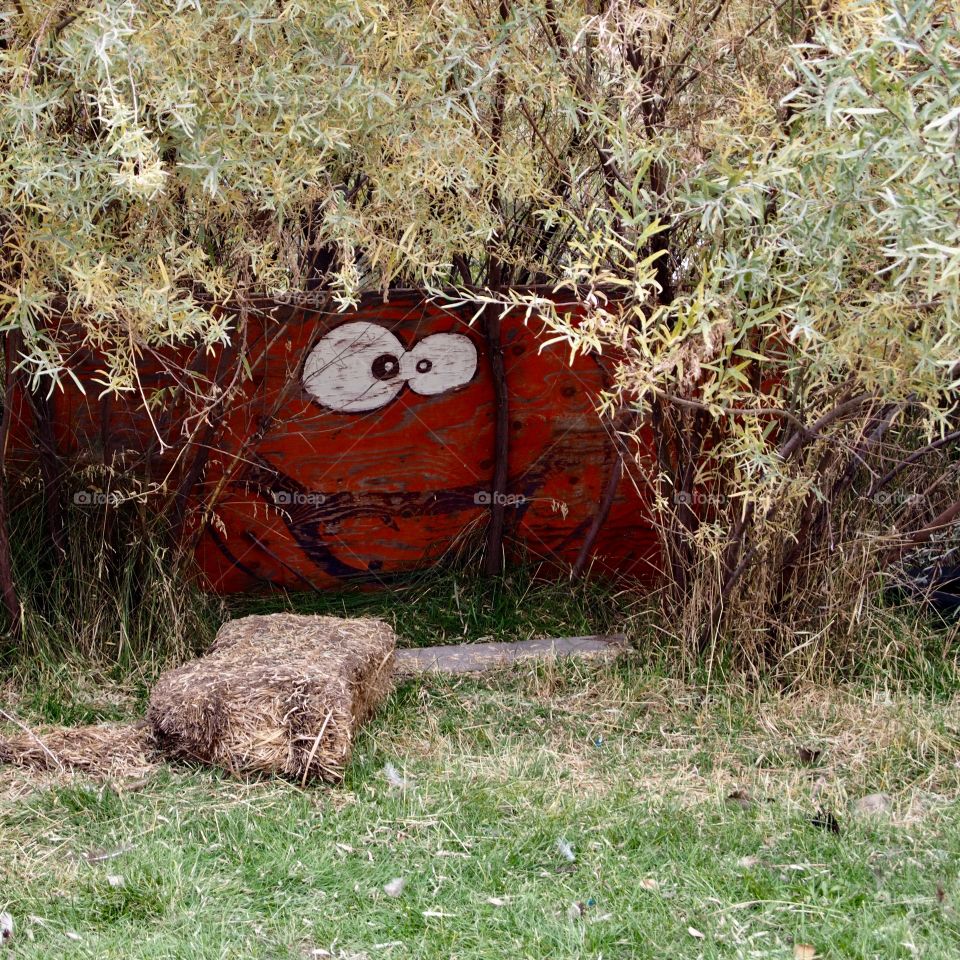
[313, 497]
[463, 658]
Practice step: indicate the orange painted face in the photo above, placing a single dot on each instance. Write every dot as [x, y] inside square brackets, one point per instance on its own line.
[363, 448]
[381, 457]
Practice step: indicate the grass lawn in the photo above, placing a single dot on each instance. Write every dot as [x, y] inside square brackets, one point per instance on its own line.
[633, 771]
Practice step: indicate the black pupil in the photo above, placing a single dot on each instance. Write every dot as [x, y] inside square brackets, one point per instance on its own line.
[424, 366]
[385, 367]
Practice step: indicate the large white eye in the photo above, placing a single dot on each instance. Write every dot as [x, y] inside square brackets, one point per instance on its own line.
[355, 367]
[439, 363]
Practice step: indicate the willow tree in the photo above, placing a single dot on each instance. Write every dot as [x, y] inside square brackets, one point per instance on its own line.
[710, 179]
[783, 278]
[163, 159]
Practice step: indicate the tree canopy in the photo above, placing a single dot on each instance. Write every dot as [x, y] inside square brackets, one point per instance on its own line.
[756, 205]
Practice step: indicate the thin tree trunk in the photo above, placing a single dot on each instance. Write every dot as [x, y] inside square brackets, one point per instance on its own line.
[603, 509]
[501, 443]
[495, 278]
[226, 367]
[8, 590]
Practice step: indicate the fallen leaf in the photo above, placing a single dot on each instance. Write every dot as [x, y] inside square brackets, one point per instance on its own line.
[803, 951]
[694, 932]
[873, 805]
[395, 779]
[566, 850]
[820, 785]
[395, 887]
[648, 883]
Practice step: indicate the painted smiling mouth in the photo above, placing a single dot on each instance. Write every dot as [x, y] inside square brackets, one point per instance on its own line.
[362, 366]
[311, 517]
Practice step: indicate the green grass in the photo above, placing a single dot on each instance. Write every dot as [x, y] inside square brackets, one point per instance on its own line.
[456, 603]
[119, 604]
[630, 768]
[70, 683]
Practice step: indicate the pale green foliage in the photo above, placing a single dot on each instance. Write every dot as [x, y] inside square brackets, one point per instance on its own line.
[160, 156]
[830, 238]
[755, 206]
[811, 236]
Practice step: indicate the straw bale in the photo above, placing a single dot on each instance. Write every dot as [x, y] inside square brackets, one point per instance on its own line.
[279, 694]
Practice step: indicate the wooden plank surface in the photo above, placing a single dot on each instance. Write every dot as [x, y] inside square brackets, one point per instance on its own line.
[464, 658]
[360, 446]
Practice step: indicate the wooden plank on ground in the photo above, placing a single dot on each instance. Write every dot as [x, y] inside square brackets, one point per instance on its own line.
[484, 657]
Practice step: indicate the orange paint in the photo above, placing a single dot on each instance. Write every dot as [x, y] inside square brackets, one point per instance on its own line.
[389, 482]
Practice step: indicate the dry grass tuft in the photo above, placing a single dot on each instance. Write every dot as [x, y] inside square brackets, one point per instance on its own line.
[278, 694]
[114, 750]
[598, 732]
